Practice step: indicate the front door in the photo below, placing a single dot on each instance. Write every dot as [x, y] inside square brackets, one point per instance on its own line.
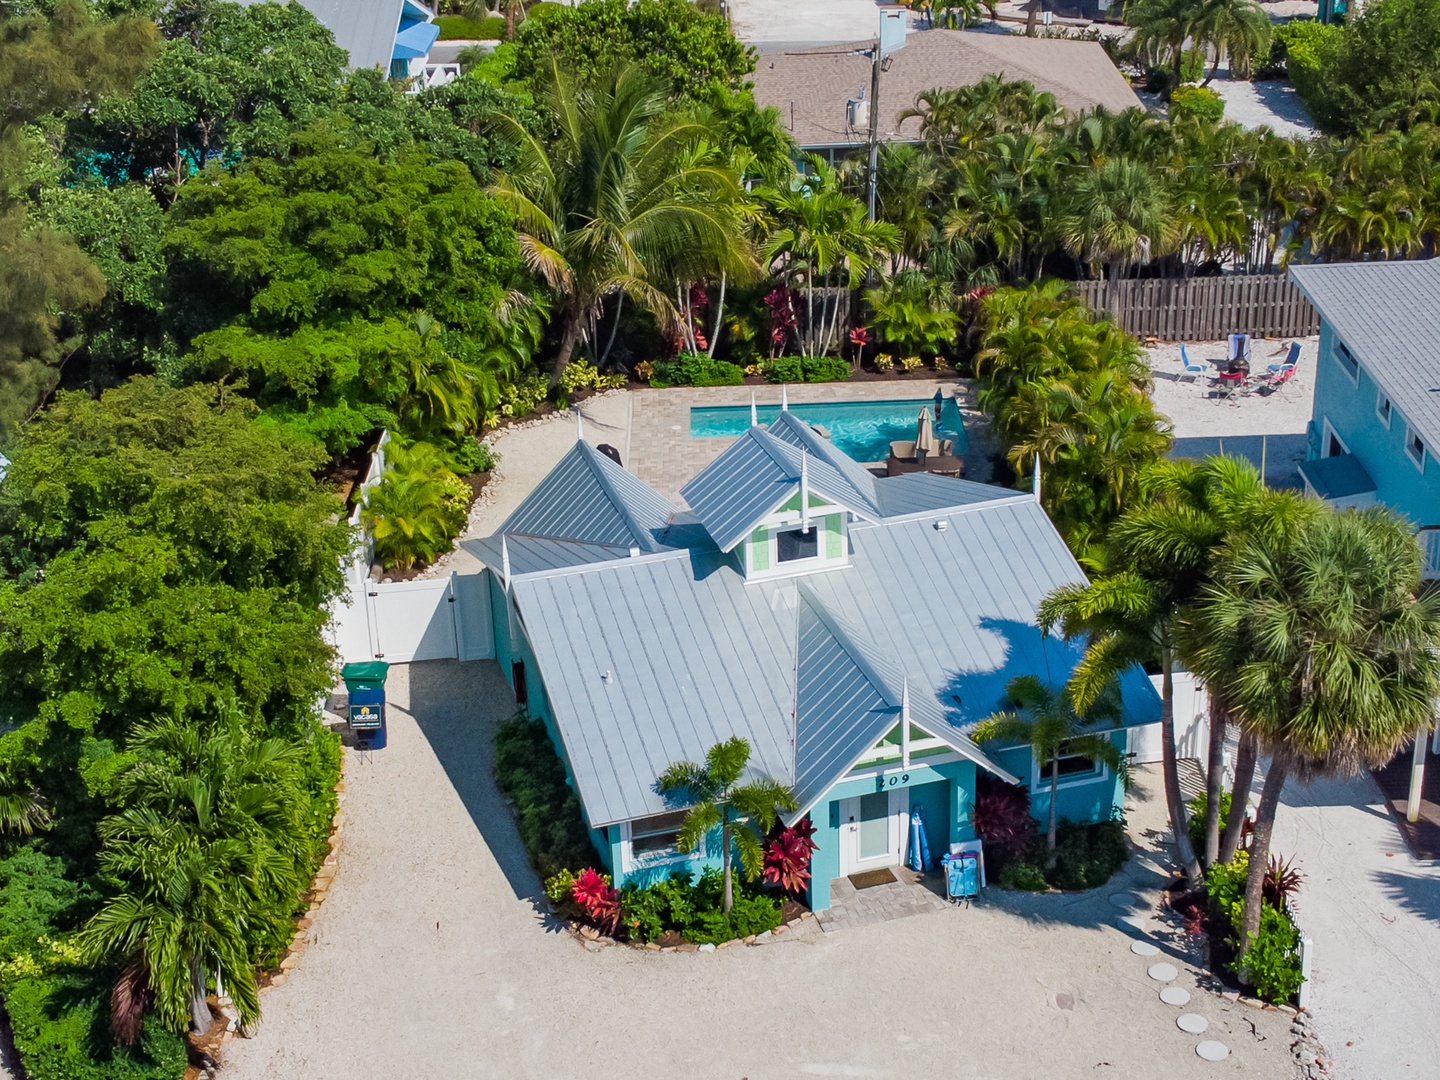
[873, 830]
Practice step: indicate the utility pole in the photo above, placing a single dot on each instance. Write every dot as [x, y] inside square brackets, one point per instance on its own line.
[873, 173]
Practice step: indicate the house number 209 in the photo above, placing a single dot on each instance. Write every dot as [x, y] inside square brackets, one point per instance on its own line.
[893, 780]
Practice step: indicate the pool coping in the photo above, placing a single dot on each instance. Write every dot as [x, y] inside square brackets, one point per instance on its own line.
[664, 454]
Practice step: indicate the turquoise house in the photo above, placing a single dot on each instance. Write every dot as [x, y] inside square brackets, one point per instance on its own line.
[392, 35]
[1375, 429]
[851, 628]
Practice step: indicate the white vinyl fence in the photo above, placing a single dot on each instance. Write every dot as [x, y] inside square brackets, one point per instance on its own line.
[431, 619]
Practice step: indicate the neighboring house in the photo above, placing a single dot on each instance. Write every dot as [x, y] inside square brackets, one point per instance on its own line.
[821, 92]
[1375, 430]
[393, 35]
[800, 603]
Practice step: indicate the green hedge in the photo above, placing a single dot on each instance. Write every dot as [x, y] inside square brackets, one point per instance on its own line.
[547, 810]
[1198, 101]
[810, 369]
[696, 369]
[459, 28]
[1309, 49]
[693, 908]
[1273, 958]
[1086, 857]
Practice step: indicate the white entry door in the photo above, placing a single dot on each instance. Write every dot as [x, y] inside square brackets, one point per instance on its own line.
[872, 828]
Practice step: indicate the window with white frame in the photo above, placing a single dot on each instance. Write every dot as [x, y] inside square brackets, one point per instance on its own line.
[652, 839]
[1415, 449]
[1383, 408]
[1074, 768]
[1346, 359]
[793, 544]
[891, 747]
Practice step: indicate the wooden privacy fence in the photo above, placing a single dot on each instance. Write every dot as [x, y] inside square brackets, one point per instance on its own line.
[1204, 309]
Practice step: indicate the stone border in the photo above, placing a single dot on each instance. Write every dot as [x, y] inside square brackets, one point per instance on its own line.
[591, 939]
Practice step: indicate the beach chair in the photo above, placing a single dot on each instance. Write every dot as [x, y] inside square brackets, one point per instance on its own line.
[1276, 383]
[1291, 359]
[1193, 371]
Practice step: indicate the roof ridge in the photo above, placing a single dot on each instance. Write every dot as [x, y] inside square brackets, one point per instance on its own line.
[598, 463]
[840, 631]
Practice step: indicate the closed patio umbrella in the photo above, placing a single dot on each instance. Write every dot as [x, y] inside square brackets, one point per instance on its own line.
[924, 436]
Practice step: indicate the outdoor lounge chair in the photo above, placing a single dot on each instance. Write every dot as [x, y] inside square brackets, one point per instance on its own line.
[1291, 359]
[903, 459]
[1276, 383]
[1193, 371]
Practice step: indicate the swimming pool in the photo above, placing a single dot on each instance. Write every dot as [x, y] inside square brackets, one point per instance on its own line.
[862, 429]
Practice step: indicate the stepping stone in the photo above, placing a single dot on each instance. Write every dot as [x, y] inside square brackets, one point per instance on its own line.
[1192, 1023]
[1211, 1050]
[1132, 922]
[1175, 995]
[1129, 901]
[1143, 948]
[1163, 972]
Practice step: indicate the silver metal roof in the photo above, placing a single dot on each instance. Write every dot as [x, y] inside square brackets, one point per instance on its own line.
[530, 554]
[589, 499]
[652, 660]
[1388, 315]
[919, 493]
[365, 29]
[755, 475]
[789, 428]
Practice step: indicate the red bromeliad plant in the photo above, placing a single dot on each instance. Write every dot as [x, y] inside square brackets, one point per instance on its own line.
[1282, 881]
[787, 856]
[859, 337]
[1001, 816]
[593, 892]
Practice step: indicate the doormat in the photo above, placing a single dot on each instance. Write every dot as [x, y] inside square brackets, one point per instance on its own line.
[871, 878]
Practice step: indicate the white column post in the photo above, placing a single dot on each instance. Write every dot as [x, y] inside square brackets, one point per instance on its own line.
[1417, 777]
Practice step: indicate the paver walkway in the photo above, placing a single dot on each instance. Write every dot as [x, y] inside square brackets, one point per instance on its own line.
[1373, 913]
[431, 958]
[908, 894]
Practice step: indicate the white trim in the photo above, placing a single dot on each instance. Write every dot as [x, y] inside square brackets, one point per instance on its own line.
[1040, 783]
[1388, 411]
[1328, 432]
[1412, 436]
[629, 862]
[1344, 354]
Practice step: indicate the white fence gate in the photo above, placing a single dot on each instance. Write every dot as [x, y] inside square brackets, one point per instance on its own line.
[400, 621]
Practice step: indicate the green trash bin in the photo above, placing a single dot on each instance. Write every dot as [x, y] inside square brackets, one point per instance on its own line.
[365, 682]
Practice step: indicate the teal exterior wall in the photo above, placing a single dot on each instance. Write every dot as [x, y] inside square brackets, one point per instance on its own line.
[1088, 802]
[1351, 411]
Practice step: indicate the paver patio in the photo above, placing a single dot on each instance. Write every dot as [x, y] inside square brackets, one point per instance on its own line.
[433, 958]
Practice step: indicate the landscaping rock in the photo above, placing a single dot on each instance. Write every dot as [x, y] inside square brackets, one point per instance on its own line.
[689, 946]
[652, 947]
[278, 980]
[707, 947]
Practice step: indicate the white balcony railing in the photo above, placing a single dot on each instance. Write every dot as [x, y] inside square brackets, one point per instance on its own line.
[435, 75]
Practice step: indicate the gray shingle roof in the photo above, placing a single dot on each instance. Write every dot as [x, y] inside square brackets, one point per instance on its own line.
[811, 86]
[589, 499]
[756, 474]
[1388, 315]
[697, 654]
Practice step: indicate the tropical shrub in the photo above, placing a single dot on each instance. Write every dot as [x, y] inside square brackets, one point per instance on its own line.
[785, 369]
[644, 371]
[658, 908]
[418, 509]
[818, 369]
[615, 381]
[908, 315]
[696, 369]
[1198, 806]
[1087, 856]
[523, 396]
[578, 375]
[752, 912]
[597, 899]
[1001, 816]
[1199, 102]
[1027, 877]
[1307, 48]
[884, 361]
[787, 856]
[469, 455]
[547, 810]
[1273, 959]
[909, 363]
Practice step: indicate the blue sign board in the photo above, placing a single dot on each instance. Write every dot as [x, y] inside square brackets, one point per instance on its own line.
[367, 710]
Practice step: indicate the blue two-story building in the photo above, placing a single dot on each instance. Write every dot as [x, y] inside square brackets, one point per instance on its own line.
[852, 629]
[1375, 430]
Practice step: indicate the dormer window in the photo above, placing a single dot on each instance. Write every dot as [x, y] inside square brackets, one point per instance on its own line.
[793, 544]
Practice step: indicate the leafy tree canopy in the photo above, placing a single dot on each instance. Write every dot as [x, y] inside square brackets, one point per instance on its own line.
[689, 50]
[1384, 71]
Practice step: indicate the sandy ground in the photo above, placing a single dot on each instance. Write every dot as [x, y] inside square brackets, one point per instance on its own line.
[1273, 425]
[1372, 911]
[1272, 103]
[430, 959]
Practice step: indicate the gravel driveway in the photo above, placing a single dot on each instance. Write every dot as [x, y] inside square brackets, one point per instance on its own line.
[1373, 912]
[431, 959]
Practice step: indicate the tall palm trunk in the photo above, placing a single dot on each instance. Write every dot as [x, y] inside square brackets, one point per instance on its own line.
[1260, 849]
[1174, 798]
[725, 863]
[200, 1016]
[569, 339]
[1050, 853]
[609, 343]
[1219, 724]
[719, 314]
[1239, 795]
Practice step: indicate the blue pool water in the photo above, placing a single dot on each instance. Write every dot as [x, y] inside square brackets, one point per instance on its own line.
[863, 429]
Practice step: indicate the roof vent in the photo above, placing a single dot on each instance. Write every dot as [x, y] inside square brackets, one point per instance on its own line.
[607, 678]
[634, 552]
[942, 525]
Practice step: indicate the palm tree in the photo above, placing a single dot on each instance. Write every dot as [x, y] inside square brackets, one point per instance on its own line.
[208, 855]
[1239, 29]
[23, 812]
[1053, 727]
[1117, 214]
[629, 197]
[1162, 28]
[743, 813]
[823, 238]
[1337, 657]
